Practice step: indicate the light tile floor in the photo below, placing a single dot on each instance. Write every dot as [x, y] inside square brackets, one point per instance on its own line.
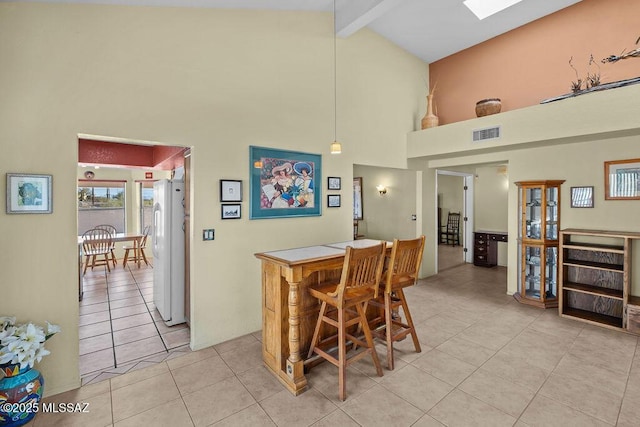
[449, 256]
[486, 361]
[120, 328]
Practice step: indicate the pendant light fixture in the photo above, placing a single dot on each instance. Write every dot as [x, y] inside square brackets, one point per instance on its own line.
[336, 147]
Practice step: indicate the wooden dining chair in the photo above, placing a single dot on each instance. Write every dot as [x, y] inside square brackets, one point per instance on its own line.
[342, 307]
[140, 248]
[451, 232]
[95, 243]
[111, 229]
[401, 271]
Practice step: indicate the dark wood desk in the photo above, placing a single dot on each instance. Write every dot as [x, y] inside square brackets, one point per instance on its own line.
[485, 247]
[289, 312]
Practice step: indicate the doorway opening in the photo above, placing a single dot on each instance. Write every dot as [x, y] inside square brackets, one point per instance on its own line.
[455, 196]
[121, 329]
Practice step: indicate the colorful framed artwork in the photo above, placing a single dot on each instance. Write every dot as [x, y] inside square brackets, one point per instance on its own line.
[282, 183]
[622, 179]
[230, 190]
[231, 211]
[357, 198]
[333, 200]
[29, 193]
[334, 183]
[582, 197]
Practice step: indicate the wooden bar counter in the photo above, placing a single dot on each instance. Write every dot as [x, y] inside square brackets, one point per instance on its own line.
[289, 313]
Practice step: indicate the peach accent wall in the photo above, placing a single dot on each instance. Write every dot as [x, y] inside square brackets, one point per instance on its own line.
[531, 63]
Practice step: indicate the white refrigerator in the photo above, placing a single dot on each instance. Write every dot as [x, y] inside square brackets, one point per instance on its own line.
[168, 250]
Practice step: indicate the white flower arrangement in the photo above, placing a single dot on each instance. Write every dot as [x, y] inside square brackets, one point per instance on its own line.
[23, 344]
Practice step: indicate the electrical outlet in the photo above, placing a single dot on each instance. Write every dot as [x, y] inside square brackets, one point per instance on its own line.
[208, 234]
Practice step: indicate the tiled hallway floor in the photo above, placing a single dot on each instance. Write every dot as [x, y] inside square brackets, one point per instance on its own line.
[486, 361]
[120, 329]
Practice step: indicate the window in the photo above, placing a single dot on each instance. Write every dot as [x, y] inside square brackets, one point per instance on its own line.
[101, 202]
[146, 205]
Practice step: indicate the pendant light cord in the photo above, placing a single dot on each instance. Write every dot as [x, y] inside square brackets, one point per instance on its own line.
[335, 78]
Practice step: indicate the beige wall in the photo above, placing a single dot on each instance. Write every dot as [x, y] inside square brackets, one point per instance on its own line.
[561, 162]
[388, 216]
[491, 203]
[214, 80]
[450, 195]
[579, 164]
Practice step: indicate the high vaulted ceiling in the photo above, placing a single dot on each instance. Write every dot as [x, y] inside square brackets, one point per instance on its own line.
[429, 29]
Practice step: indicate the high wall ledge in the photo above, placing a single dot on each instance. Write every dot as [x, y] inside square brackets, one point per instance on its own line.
[592, 116]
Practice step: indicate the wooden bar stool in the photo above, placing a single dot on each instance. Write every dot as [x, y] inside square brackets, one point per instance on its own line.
[361, 274]
[402, 271]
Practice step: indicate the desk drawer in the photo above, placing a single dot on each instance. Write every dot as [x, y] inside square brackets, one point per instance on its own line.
[498, 237]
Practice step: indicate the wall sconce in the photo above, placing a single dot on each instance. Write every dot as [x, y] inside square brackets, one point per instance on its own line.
[381, 189]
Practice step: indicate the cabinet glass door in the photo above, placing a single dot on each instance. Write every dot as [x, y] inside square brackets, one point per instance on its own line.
[533, 212]
[531, 272]
[552, 213]
[551, 270]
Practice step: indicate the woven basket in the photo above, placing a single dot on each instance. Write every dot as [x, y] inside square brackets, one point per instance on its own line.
[487, 107]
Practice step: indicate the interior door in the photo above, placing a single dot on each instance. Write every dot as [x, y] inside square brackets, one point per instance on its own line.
[187, 235]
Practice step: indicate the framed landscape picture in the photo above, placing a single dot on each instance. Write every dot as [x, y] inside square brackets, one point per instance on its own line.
[283, 183]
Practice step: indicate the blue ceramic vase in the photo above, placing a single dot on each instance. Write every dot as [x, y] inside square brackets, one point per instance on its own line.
[20, 394]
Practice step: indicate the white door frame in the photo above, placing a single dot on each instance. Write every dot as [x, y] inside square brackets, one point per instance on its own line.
[467, 238]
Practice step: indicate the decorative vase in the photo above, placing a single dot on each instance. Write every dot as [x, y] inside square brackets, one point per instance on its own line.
[429, 120]
[487, 107]
[23, 389]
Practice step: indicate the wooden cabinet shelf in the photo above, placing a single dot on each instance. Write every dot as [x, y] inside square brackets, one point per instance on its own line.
[592, 317]
[596, 247]
[595, 278]
[593, 290]
[595, 265]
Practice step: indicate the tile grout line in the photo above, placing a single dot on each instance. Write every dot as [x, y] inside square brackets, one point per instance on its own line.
[626, 386]
[113, 343]
[149, 311]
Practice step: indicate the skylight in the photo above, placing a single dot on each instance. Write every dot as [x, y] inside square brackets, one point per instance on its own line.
[485, 8]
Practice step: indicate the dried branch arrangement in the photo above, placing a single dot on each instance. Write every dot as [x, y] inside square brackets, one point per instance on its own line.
[592, 79]
[635, 53]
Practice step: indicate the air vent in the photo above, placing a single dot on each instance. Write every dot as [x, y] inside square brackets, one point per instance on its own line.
[486, 134]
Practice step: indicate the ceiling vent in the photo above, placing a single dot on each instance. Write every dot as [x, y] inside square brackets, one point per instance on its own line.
[487, 134]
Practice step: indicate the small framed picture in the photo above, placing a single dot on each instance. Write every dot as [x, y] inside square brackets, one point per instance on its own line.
[333, 182]
[582, 197]
[333, 200]
[233, 211]
[230, 190]
[29, 193]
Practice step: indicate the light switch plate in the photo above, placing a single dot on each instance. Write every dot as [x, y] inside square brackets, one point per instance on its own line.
[208, 234]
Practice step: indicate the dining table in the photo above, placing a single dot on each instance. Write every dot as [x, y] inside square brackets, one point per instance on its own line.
[134, 237]
[289, 312]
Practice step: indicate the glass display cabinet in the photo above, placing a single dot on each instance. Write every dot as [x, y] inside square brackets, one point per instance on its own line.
[538, 230]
